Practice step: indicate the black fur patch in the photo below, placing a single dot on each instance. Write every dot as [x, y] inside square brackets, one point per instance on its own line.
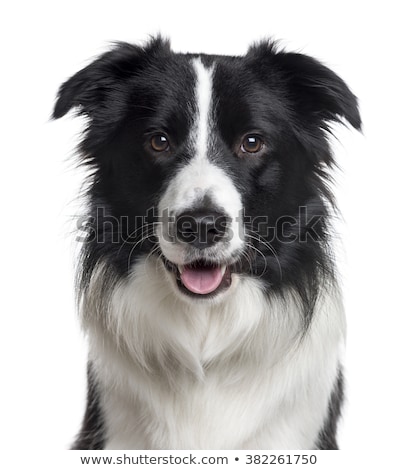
[91, 435]
[327, 437]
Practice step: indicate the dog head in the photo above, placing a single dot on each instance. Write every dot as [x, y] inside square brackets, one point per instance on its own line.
[207, 162]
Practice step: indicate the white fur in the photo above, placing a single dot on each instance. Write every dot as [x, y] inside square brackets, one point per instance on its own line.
[229, 375]
[204, 92]
[201, 178]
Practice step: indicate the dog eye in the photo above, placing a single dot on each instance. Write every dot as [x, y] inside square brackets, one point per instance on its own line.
[160, 143]
[251, 144]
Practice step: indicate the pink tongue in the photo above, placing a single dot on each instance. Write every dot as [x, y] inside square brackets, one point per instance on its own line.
[201, 280]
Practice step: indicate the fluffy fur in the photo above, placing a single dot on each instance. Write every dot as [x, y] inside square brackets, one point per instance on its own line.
[254, 361]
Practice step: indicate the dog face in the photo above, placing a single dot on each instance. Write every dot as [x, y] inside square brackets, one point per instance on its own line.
[206, 162]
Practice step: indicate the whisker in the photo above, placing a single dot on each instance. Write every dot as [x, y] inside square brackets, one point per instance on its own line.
[141, 240]
[145, 235]
[259, 239]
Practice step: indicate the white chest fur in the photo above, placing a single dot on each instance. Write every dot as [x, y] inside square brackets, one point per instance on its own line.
[229, 375]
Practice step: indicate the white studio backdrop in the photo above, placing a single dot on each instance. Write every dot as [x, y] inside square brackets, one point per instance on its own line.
[42, 44]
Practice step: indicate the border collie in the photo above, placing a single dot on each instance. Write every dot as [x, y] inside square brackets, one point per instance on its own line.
[207, 285]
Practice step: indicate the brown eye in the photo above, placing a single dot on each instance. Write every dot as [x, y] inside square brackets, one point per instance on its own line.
[251, 144]
[159, 143]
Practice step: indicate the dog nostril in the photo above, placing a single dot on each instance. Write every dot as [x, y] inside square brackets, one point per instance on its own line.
[201, 229]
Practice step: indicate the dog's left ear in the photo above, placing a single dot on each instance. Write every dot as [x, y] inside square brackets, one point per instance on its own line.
[316, 90]
[99, 82]
[89, 88]
[101, 90]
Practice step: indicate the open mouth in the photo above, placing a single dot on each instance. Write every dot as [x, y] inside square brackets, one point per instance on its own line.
[201, 278]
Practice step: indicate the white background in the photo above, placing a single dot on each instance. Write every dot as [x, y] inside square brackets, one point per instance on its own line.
[42, 349]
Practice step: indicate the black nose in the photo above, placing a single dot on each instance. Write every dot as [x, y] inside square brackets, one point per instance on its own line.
[201, 229]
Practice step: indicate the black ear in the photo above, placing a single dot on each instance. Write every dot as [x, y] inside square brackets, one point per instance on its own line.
[316, 90]
[319, 90]
[89, 88]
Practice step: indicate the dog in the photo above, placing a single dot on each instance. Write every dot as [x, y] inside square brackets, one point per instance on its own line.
[207, 285]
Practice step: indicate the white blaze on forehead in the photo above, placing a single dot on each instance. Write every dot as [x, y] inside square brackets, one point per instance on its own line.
[200, 177]
[204, 91]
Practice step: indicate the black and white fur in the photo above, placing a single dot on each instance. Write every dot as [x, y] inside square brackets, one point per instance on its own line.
[256, 364]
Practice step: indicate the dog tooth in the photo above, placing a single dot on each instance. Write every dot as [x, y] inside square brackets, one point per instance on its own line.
[223, 269]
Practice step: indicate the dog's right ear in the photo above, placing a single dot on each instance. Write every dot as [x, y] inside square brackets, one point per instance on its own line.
[320, 95]
[88, 89]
